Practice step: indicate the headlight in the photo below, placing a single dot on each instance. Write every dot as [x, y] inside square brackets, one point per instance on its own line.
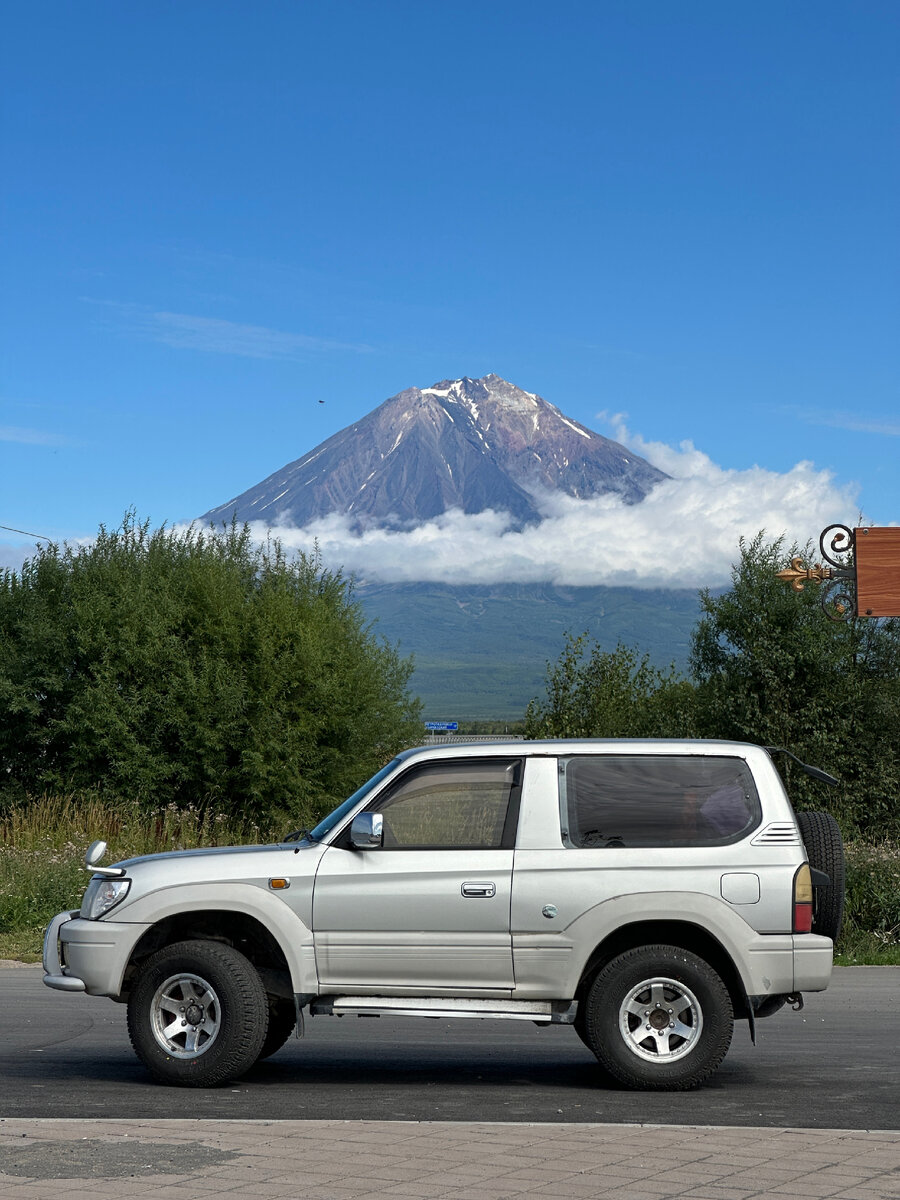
[102, 895]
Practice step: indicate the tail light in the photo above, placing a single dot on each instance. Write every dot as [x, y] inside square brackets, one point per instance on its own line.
[803, 900]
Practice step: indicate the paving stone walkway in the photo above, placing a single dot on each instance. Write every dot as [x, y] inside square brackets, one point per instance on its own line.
[372, 1160]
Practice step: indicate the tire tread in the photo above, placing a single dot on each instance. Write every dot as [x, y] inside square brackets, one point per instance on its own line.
[821, 836]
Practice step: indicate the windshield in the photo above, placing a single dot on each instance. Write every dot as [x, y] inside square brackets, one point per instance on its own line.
[326, 825]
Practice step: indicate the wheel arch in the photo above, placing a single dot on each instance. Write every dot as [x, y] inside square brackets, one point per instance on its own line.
[239, 930]
[257, 923]
[682, 934]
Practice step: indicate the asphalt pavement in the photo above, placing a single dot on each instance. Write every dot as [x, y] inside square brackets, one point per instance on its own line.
[463, 1109]
[833, 1065]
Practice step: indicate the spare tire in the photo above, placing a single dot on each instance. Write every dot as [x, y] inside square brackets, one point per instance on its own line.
[825, 849]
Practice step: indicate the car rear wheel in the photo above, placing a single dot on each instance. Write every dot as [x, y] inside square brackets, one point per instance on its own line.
[197, 1014]
[658, 1017]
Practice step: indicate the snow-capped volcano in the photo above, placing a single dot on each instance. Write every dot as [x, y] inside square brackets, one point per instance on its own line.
[471, 444]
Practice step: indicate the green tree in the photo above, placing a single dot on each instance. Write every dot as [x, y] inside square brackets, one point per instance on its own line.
[596, 693]
[193, 667]
[772, 668]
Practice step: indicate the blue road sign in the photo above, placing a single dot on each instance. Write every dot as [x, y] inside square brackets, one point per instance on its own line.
[443, 726]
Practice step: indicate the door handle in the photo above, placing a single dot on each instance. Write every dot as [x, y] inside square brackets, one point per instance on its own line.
[479, 889]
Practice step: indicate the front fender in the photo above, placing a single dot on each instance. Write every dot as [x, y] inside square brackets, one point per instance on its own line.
[88, 943]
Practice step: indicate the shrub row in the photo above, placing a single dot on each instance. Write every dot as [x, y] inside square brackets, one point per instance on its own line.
[873, 891]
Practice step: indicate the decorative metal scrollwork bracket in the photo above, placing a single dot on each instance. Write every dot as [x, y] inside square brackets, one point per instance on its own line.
[838, 580]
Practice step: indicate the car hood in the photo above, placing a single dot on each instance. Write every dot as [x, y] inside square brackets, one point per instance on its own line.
[174, 856]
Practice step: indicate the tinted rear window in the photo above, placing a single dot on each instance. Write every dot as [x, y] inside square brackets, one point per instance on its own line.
[656, 800]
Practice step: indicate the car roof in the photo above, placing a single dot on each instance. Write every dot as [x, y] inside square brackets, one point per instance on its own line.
[554, 747]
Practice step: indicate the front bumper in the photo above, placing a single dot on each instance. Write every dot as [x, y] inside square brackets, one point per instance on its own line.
[94, 955]
[55, 975]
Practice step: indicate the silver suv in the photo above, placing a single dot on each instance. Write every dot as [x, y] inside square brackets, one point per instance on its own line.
[648, 893]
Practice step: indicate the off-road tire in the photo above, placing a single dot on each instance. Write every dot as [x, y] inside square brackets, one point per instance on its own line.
[225, 1014]
[686, 1001]
[821, 836]
[580, 1022]
[282, 1019]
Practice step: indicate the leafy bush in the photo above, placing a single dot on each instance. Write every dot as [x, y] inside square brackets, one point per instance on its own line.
[768, 667]
[597, 693]
[771, 668]
[196, 669]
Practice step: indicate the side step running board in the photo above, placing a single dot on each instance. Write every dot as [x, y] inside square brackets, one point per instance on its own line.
[550, 1012]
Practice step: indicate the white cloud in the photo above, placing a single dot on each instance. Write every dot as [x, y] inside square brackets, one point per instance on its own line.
[230, 337]
[684, 534]
[852, 422]
[13, 556]
[185, 331]
[30, 437]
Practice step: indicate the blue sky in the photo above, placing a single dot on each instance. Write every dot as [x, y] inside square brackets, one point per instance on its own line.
[216, 215]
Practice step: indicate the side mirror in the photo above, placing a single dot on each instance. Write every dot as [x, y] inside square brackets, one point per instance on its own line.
[367, 831]
[95, 852]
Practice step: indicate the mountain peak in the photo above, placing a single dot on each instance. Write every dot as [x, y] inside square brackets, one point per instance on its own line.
[489, 386]
[472, 444]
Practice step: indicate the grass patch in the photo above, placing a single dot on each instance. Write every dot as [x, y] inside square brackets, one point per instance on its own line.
[866, 950]
[871, 932]
[23, 945]
[42, 849]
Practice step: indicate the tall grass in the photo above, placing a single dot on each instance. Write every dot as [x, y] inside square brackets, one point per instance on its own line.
[872, 922]
[42, 847]
[59, 823]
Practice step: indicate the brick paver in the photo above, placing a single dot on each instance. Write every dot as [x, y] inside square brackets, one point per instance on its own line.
[370, 1160]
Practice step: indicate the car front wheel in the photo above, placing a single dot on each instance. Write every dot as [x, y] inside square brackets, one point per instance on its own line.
[658, 1017]
[197, 1014]
[282, 1022]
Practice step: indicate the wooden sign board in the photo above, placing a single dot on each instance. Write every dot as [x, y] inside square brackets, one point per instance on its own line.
[877, 555]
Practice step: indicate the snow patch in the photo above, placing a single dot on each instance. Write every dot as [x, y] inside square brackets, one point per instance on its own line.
[583, 433]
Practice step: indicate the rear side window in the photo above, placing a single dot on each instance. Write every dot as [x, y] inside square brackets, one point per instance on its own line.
[656, 800]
